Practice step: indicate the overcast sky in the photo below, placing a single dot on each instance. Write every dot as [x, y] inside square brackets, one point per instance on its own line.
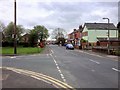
[67, 14]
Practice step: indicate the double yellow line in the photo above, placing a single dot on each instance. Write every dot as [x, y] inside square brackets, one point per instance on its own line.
[39, 76]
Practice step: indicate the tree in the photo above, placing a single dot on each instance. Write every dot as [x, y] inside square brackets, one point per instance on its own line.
[61, 41]
[33, 37]
[2, 26]
[42, 32]
[9, 31]
[39, 32]
[58, 33]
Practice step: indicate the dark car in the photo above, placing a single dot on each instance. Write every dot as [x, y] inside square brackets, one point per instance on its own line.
[70, 46]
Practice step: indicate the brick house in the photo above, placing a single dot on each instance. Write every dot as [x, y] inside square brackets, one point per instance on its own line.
[75, 37]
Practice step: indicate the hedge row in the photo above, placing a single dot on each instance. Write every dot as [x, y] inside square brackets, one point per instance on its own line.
[23, 44]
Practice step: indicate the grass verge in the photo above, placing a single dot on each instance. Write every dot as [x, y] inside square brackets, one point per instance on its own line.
[21, 50]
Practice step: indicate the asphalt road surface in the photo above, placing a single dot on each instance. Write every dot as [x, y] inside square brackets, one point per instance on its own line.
[77, 68]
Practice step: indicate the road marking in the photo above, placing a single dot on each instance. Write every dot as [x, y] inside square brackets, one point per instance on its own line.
[41, 76]
[55, 56]
[12, 57]
[52, 51]
[93, 70]
[58, 68]
[61, 74]
[94, 61]
[40, 79]
[50, 54]
[115, 69]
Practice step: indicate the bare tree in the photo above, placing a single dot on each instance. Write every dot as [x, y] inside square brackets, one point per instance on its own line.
[59, 33]
[2, 26]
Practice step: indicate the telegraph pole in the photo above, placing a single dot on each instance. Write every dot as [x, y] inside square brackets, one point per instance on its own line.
[15, 41]
[108, 35]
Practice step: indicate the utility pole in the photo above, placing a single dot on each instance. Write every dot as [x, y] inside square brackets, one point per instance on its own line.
[15, 40]
[108, 45]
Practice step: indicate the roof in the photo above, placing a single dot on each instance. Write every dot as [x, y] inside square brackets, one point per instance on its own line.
[101, 26]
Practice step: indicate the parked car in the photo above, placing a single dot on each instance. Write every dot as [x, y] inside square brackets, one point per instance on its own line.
[70, 46]
[65, 44]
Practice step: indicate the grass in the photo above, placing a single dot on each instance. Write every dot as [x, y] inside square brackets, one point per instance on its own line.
[117, 52]
[21, 50]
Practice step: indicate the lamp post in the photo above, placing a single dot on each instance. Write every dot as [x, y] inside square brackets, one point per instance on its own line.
[108, 45]
[15, 41]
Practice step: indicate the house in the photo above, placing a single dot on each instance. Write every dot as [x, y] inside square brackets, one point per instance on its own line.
[25, 38]
[93, 32]
[75, 36]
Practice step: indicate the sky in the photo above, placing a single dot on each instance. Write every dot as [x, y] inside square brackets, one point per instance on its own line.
[67, 14]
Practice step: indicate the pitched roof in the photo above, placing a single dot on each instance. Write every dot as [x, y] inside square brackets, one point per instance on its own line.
[101, 26]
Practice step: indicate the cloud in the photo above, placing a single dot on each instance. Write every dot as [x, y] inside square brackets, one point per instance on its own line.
[64, 14]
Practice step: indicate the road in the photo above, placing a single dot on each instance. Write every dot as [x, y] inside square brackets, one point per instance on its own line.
[77, 68]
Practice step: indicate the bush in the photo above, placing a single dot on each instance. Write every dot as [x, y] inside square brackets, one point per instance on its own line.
[23, 44]
[6, 44]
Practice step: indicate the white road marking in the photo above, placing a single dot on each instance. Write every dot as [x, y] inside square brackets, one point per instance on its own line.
[51, 55]
[62, 76]
[58, 68]
[52, 51]
[12, 57]
[93, 70]
[115, 69]
[94, 61]
[59, 71]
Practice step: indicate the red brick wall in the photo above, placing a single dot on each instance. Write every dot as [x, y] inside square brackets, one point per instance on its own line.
[112, 43]
[103, 43]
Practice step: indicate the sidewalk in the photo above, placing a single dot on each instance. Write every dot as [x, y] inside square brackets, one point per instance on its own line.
[46, 50]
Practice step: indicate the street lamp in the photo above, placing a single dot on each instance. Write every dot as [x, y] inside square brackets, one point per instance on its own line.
[15, 41]
[108, 45]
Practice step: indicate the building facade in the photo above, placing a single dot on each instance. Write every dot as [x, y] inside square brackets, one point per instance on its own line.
[92, 32]
[75, 37]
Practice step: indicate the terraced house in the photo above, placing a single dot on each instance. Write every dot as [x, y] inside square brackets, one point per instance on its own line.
[75, 36]
[93, 32]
